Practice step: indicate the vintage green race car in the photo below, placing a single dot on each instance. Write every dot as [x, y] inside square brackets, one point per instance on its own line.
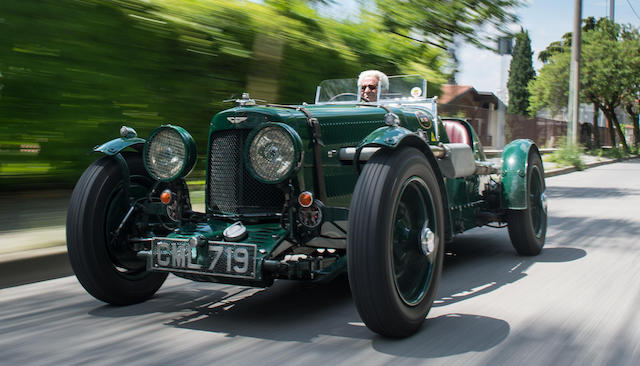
[304, 192]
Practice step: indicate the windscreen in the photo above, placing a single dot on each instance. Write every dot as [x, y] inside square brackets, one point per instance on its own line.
[403, 88]
[338, 90]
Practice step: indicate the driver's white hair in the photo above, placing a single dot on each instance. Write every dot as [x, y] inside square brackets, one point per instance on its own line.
[383, 80]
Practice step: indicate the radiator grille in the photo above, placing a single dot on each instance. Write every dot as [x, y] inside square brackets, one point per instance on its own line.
[232, 189]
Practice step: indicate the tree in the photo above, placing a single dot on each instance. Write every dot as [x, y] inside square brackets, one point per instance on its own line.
[564, 46]
[606, 70]
[438, 22]
[631, 103]
[606, 77]
[555, 47]
[550, 88]
[520, 73]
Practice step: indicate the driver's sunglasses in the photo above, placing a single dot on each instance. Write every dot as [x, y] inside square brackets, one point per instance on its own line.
[371, 87]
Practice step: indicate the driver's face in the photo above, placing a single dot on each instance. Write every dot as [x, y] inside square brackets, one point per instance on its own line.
[369, 89]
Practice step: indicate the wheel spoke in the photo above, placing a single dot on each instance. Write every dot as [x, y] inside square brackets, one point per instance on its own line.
[125, 260]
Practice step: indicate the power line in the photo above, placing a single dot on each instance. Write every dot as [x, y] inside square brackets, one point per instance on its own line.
[634, 10]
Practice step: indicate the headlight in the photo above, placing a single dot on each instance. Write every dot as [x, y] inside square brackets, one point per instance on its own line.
[274, 152]
[169, 153]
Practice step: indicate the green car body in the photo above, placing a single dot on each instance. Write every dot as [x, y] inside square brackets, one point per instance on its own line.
[257, 228]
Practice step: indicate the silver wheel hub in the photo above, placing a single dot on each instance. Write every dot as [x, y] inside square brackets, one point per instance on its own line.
[427, 240]
[543, 201]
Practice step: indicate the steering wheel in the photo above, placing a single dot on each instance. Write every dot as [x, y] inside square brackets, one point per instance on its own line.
[342, 95]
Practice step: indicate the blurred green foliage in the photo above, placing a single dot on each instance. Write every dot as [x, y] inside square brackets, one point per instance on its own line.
[479, 22]
[567, 155]
[73, 71]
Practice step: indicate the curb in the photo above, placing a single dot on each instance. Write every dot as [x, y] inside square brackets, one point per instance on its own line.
[36, 265]
[570, 169]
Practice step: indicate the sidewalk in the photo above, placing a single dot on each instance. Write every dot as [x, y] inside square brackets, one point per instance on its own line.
[590, 161]
[34, 226]
[32, 222]
[29, 253]
[552, 169]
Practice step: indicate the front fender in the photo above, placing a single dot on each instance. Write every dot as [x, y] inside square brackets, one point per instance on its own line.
[387, 136]
[515, 158]
[116, 145]
[392, 137]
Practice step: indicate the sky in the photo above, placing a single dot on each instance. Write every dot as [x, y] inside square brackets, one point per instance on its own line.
[546, 21]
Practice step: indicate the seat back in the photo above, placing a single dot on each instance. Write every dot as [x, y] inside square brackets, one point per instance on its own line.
[457, 132]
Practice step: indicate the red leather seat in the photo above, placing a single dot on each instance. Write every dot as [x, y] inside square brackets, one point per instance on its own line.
[457, 132]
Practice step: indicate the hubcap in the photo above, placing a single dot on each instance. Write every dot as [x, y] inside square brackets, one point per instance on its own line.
[427, 239]
[543, 201]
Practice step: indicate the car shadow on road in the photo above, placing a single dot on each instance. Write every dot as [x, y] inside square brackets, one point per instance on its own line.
[301, 312]
[298, 312]
[447, 335]
[477, 262]
[286, 311]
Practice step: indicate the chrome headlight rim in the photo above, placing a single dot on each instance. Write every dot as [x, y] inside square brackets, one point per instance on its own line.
[296, 141]
[188, 160]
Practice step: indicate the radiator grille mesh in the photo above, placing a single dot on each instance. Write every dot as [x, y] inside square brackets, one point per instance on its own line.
[232, 189]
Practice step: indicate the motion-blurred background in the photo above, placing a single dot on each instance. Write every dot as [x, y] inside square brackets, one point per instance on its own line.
[73, 71]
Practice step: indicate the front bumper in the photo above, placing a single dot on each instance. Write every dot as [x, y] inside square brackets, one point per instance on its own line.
[265, 254]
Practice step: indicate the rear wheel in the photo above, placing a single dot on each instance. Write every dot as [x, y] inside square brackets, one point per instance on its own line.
[106, 266]
[528, 227]
[396, 242]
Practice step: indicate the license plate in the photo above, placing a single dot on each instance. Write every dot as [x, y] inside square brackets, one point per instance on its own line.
[223, 259]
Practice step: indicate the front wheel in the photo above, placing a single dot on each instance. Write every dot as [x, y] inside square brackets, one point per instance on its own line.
[396, 241]
[104, 264]
[528, 227]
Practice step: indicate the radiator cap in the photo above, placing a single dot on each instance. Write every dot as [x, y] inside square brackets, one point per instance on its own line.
[236, 232]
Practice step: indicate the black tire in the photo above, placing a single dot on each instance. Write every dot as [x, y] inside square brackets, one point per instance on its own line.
[528, 227]
[393, 281]
[109, 270]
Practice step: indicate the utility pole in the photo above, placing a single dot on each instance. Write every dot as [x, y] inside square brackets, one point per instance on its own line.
[574, 76]
[612, 10]
[505, 48]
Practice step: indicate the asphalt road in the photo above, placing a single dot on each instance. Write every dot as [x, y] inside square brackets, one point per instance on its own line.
[575, 304]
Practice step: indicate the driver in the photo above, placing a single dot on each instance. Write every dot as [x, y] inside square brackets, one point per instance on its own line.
[369, 81]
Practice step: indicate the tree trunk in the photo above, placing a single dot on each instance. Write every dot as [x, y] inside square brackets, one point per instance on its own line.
[623, 141]
[636, 132]
[610, 128]
[596, 131]
[610, 114]
[636, 128]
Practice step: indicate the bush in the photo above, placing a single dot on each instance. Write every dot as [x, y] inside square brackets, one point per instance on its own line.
[613, 153]
[567, 155]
